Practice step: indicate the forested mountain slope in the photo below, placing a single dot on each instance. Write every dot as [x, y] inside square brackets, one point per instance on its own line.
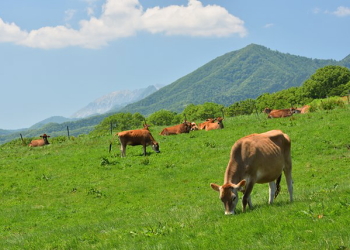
[235, 76]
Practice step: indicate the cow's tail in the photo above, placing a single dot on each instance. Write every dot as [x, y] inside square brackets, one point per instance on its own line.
[278, 186]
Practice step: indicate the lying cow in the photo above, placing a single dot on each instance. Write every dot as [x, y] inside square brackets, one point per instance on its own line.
[193, 126]
[203, 125]
[279, 113]
[302, 110]
[137, 137]
[184, 127]
[256, 158]
[40, 142]
[215, 125]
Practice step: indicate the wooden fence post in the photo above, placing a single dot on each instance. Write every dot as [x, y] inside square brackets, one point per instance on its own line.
[68, 131]
[22, 139]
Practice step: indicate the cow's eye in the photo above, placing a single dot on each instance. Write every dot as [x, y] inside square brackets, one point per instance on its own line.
[234, 197]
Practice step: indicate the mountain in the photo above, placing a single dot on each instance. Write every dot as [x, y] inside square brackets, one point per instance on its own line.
[53, 119]
[235, 76]
[114, 101]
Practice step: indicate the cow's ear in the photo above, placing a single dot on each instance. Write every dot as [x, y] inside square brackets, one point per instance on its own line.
[214, 186]
[240, 185]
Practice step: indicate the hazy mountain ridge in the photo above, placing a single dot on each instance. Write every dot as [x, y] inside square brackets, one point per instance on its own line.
[114, 101]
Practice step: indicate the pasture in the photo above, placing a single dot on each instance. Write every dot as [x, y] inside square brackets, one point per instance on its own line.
[73, 194]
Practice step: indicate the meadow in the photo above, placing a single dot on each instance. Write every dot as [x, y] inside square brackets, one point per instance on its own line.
[74, 194]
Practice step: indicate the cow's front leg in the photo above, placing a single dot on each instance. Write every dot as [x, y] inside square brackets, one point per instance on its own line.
[246, 197]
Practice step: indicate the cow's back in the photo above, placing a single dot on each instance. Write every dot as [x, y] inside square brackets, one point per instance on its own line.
[134, 137]
[259, 156]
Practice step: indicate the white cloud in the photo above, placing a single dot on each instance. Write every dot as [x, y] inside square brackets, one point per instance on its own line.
[69, 15]
[10, 32]
[124, 18]
[342, 11]
[268, 25]
[90, 11]
[193, 20]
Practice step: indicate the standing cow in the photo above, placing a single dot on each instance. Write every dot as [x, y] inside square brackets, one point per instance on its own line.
[256, 158]
[137, 137]
[40, 142]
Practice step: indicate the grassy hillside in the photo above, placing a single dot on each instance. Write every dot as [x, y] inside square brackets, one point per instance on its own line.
[235, 76]
[75, 195]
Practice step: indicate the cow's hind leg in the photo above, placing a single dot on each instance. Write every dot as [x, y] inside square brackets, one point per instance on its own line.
[278, 186]
[272, 191]
[122, 149]
[289, 180]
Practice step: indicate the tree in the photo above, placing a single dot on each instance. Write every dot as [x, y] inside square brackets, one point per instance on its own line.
[329, 80]
[161, 117]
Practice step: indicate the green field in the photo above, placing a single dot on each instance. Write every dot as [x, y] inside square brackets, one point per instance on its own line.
[73, 194]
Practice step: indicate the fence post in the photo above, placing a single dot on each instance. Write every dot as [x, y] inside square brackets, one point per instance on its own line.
[68, 131]
[22, 139]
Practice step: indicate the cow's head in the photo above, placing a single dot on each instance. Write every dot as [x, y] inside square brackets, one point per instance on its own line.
[155, 147]
[194, 126]
[267, 110]
[229, 195]
[45, 136]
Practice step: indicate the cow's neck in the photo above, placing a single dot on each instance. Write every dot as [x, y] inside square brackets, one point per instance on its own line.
[232, 174]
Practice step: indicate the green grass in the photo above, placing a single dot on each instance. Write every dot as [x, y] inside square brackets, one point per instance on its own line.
[73, 194]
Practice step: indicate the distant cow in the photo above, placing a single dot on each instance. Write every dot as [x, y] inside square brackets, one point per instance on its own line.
[203, 125]
[184, 127]
[215, 125]
[303, 109]
[194, 126]
[137, 137]
[279, 113]
[40, 142]
[256, 158]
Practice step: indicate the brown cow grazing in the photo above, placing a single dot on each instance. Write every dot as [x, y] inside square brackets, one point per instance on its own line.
[40, 142]
[137, 137]
[279, 113]
[184, 127]
[256, 158]
[203, 125]
[215, 125]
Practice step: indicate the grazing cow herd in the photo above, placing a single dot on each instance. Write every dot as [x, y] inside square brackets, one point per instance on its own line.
[256, 158]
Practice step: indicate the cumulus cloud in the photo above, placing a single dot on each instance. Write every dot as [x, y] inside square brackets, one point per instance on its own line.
[124, 18]
[10, 32]
[193, 20]
[342, 11]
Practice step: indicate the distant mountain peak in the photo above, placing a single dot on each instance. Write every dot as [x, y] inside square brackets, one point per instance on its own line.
[114, 101]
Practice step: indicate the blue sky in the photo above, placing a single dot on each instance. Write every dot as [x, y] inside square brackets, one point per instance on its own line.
[57, 56]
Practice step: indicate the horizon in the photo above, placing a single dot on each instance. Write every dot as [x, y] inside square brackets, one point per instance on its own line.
[60, 56]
